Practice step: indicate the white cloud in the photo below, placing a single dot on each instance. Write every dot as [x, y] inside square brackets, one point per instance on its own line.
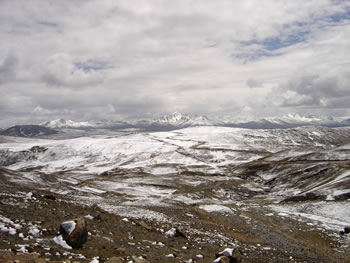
[8, 68]
[144, 58]
[60, 70]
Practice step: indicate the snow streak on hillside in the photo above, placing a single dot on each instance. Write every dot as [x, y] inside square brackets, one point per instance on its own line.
[214, 167]
[209, 149]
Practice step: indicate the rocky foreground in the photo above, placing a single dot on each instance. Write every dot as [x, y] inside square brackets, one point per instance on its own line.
[30, 223]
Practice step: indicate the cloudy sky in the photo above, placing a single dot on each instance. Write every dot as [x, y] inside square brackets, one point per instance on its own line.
[116, 59]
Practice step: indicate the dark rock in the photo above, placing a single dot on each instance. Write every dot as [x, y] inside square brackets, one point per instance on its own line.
[305, 197]
[342, 197]
[347, 229]
[38, 149]
[341, 232]
[49, 197]
[74, 232]
[98, 217]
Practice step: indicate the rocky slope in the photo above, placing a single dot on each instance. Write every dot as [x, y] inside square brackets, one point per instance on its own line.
[273, 195]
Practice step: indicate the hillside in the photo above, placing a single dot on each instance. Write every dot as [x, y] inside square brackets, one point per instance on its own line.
[271, 194]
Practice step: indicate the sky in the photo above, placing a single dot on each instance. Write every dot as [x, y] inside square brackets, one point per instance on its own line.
[121, 60]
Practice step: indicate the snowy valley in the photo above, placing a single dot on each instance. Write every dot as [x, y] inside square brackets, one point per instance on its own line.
[276, 195]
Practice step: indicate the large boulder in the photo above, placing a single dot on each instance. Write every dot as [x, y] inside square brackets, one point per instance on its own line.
[74, 232]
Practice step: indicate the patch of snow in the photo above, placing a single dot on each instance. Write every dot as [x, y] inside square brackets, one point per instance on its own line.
[228, 252]
[332, 215]
[59, 241]
[29, 195]
[171, 232]
[22, 248]
[216, 208]
[34, 230]
[12, 231]
[134, 212]
[282, 214]
[95, 260]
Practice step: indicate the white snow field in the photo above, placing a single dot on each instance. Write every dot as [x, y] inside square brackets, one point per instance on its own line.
[213, 167]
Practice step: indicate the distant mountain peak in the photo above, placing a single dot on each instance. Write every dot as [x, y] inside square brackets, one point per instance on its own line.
[62, 123]
[300, 118]
[174, 117]
[179, 119]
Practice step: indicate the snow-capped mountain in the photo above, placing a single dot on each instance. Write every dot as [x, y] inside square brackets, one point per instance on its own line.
[173, 121]
[291, 120]
[183, 120]
[295, 118]
[62, 123]
[177, 120]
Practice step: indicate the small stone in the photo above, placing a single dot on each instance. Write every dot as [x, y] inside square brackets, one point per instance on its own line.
[121, 250]
[341, 232]
[347, 229]
[49, 197]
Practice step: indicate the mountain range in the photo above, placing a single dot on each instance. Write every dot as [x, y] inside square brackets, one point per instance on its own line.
[173, 121]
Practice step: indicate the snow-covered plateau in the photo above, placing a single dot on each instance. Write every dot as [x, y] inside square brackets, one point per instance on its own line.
[258, 177]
